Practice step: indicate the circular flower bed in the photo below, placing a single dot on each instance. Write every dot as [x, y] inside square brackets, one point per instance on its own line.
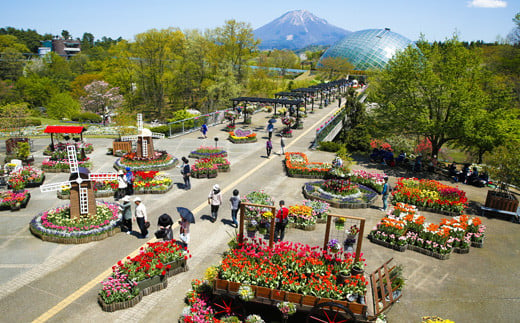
[161, 160]
[340, 193]
[240, 136]
[55, 225]
[207, 152]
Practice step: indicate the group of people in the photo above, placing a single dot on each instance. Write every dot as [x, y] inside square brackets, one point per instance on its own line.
[468, 175]
[140, 216]
[125, 182]
[269, 143]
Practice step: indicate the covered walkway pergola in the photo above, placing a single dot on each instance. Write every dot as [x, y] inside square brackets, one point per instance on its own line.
[274, 102]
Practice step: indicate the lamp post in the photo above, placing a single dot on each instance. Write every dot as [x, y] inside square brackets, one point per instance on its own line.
[216, 142]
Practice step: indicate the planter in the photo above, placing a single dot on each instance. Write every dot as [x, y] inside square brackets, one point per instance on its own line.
[112, 307]
[324, 300]
[309, 300]
[461, 250]
[278, 295]
[233, 286]
[293, 297]
[354, 271]
[153, 284]
[441, 256]
[476, 244]
[251, 234]
[221, 284]
[501, 201]
[263, 292]
[177, 267]
[340, 279]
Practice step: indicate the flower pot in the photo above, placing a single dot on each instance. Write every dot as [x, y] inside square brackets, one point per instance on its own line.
[263, 292]
[340, 279]
[293, 297]
[221, 284]
[309, 300]
[251, 234]
[233, 286]
[352, 297]
[278, 295]
[354, 271]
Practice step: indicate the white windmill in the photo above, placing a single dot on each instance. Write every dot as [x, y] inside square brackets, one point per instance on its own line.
[143, 139]
[82, 200]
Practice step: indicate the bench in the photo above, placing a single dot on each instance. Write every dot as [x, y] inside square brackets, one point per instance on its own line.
[515, 215]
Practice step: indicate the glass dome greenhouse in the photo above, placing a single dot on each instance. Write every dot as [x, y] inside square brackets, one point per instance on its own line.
[369, 48]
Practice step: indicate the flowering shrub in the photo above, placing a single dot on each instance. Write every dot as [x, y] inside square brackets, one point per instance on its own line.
[118, 288]
[430, 193]
[152, 260]
[380, 144]
[288, 266]
[57, 222]
[297, 164]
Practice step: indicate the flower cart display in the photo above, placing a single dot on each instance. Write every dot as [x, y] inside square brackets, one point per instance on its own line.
[14, 201]
[231, 116]
[340, 193]
[57, 225]
[258, 214]
[430, 195]
[242, 136]
[142, 275]
[403, 228]
[26, 176]
[145, 182]
[288, 122]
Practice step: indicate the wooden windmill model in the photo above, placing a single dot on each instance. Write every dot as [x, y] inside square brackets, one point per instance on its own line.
[143, 139]
[82, 200]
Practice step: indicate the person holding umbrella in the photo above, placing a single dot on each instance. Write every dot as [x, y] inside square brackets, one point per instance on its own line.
[184, 225]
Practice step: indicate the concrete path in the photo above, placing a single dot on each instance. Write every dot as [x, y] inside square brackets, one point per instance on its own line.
[47, 281]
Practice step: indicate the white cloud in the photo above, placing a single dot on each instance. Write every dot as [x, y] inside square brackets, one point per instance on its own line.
[487, 3]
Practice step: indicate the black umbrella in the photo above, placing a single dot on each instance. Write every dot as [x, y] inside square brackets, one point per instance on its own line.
[186, 214]
[272, 120]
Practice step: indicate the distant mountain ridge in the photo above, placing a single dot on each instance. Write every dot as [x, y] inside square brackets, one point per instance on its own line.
[297, 29]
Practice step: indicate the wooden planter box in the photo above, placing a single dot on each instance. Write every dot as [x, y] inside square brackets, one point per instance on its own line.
[112, 307]
[152, 284]
[501, 201]
[122, 145]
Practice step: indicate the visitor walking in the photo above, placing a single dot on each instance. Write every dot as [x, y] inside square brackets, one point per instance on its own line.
[186, 173]
[282, 145]
[281, 221]
[121, 185]
[125, 208]
[164, 222]
[270, 129]
[204, 130]
[235, 206]
[141, 217]
[215, 199]
[385, 193]
[184, 231]
[268, 147]
[129, 182]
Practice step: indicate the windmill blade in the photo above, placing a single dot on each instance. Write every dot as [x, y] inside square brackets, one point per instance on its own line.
[139, 123]
[50, 187]
[73, 159]
[102, 176]
[83, 200]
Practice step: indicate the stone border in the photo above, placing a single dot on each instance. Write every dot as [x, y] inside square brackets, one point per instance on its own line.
[101, 194]
[74, 240]
[241, 141]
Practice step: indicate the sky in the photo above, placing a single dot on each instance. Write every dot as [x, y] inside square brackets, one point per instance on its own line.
[471, 20]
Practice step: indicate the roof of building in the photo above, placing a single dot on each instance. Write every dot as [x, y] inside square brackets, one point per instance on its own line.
[64, 129]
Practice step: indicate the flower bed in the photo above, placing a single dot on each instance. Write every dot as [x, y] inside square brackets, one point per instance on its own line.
[403, 228]
[142, 274]
[430, 195]
[62, 165]
[56, 225]
[319, 209]
[241, 136]
[160, 161]
[338, 194]
[372, 180]
[62, 147]
[297, 165]
[145, 182]
[207, 152]
[292, 267]
[27, 176]
[209, 167]
[10, 200]
[302, 217]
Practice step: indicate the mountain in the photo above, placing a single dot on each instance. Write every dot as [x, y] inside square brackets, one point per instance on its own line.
[297, 29]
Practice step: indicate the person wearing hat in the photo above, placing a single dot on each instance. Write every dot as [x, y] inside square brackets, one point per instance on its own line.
[215, 199]
[129, 181]
[121, 185]
[141, 217]
[126, 211]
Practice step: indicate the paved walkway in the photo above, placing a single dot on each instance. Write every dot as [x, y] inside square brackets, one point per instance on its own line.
[47, 281]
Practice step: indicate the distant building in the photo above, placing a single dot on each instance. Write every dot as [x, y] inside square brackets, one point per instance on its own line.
[63, 47]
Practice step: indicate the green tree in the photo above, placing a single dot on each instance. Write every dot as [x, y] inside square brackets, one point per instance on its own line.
[37, 90]
[284, 59]
[236, 45]
[65, 34]
[62, 105]
[30, 38]
[504, 164]
[87, 41]
[223, 89]
[514, 35]
[12, 42]
[333, 68]
[431, 92]
[13, 116]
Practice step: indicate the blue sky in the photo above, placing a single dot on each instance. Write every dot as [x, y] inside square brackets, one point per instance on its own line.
[436, 19]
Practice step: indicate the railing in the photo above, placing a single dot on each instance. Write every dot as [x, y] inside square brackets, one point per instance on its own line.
[323, 131]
